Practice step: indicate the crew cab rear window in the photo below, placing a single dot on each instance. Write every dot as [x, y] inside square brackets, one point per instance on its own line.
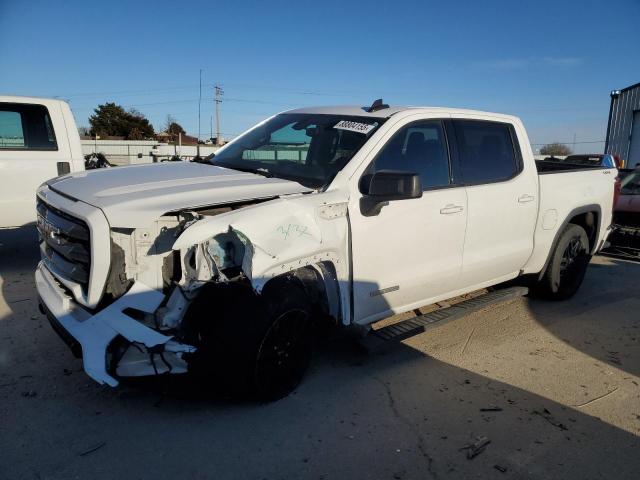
[26, 127]
[486, 152]
[419, 148]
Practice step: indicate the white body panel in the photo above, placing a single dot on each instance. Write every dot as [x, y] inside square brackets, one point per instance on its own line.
[23, 170]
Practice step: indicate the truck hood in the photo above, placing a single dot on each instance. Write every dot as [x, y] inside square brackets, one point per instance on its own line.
[137, 195]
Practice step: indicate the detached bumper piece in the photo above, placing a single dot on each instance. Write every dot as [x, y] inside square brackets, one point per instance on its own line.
[91, 335]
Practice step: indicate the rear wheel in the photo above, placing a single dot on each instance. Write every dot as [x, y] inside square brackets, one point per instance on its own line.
[567, 266]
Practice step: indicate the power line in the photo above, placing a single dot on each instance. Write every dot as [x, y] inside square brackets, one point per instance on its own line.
[149, 91]
[193, 100]
[570, 143]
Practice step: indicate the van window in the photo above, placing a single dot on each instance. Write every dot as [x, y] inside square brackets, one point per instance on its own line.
[11, 134]
[26, 127]
[418, 148]
[485, 150]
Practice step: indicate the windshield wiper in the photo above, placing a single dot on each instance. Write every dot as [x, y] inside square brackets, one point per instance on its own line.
[258, 171]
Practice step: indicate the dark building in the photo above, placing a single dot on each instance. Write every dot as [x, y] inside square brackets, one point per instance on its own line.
[623, 131]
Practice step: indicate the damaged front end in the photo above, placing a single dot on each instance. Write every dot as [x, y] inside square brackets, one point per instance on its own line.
[136, 329]
[141, 325]
[117, 340]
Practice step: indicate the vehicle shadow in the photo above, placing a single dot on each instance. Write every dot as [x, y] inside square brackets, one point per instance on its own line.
[397, 415]
[19, 256]
[18, 249]
[603, 319]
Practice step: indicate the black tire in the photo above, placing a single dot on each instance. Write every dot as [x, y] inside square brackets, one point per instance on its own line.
[568, 265]
[252, 345]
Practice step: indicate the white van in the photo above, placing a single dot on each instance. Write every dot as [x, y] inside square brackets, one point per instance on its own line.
[38, 141]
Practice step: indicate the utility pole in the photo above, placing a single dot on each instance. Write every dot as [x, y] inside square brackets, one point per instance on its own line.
[199, 102]
[217, 100]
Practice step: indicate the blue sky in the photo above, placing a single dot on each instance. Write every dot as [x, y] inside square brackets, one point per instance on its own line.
[553, 63]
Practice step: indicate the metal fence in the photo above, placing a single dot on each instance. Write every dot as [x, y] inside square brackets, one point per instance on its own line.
[132, 152]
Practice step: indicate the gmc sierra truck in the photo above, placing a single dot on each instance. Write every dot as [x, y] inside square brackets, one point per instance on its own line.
[38, 141]
[343, 214]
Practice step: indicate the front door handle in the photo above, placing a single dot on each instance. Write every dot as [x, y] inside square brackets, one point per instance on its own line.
[526, 198]
[450, 209]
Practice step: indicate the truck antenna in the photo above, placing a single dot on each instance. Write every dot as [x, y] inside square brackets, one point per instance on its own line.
[376, 105]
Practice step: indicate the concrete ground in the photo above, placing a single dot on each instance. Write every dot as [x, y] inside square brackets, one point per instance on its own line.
[553, 386]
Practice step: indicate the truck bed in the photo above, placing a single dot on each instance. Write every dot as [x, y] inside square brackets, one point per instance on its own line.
[549, 166]
[579, 188]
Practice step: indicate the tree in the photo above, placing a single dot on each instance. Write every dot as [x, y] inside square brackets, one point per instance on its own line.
[110, 119]
[172, 127]
[84, 131]
[555, 148]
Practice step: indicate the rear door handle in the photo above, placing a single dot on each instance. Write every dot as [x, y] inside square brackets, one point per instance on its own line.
[450, 209]
[526, 198]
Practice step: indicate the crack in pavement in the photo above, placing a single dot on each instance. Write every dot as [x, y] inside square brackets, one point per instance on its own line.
[410, 425]
[468, 340]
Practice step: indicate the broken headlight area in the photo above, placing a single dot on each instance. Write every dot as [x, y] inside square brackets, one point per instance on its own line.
[224, 257]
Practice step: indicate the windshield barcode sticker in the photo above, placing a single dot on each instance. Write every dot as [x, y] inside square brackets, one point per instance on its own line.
[363, 128]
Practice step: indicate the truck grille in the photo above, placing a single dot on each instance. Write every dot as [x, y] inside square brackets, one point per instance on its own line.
[64, 244]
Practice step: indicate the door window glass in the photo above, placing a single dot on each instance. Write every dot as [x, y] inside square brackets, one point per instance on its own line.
[418, 148]
[26, 127]
[11, 134]
[486, 152]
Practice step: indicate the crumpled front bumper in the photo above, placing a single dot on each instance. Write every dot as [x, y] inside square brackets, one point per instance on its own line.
[90, 335]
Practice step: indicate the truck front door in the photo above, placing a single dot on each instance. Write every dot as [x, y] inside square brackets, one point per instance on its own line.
[410, 251]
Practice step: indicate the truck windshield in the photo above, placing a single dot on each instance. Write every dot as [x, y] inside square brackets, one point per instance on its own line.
[307, 148]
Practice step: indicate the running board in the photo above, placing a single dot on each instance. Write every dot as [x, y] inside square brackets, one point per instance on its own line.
[377, 340]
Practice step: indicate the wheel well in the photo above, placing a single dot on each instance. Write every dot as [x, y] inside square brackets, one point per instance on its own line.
[589, 221]
[321, 286]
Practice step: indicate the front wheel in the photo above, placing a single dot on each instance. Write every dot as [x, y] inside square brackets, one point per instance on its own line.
[568, 265]
[248, 344]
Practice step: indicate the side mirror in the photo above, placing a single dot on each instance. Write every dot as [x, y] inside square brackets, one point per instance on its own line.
[386, 186]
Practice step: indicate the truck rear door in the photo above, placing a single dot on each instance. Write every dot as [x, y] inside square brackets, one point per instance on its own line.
[31, 152]
[502, 198]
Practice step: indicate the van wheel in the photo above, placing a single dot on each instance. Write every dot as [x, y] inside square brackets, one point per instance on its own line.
[568, 265]
[252, 345]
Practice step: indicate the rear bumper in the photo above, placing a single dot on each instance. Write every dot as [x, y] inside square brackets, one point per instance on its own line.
[90, 335]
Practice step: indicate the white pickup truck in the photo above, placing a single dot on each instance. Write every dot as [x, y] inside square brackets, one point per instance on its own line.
[38, 141]
[342, 214]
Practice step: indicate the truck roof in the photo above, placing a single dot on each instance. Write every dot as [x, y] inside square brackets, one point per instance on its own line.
[25, 99]
[360, 111]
